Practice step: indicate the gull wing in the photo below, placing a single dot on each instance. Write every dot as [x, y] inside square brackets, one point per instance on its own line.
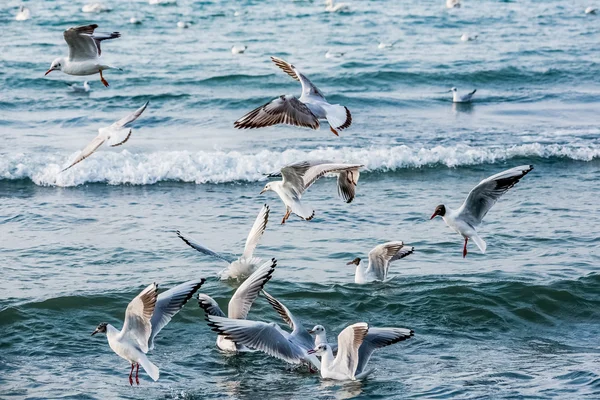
[377, 338]
[380, 257]
[244, 296]
[258, 228]
[202, 249]
[137, 324]
[298, 330]
[349, 340]
[285, 109]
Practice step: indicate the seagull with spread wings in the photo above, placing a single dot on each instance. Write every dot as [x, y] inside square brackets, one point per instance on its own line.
[379, 261]
[305, 111]
[146, 315]
[84, 52]
[115, 134]
[298, 177]
[480, 200]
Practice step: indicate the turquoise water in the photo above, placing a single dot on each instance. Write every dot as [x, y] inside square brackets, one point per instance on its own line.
[521, 321]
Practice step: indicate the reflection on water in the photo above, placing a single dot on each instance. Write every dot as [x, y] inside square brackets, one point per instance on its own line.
[462, 108]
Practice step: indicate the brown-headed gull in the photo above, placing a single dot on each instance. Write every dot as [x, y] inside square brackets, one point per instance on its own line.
[240, 303]
[23, 15]
[84, 52]
[379, 261]
[481, 198]
[146, 315]
[461, 98]
[268, 337]
[115, 134]
[246, 263]
[305, 111]
[298, 177]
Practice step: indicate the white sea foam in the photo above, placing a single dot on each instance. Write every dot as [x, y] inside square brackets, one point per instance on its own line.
[123, 167]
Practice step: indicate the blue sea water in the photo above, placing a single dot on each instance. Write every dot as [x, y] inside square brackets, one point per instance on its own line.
[521, 321]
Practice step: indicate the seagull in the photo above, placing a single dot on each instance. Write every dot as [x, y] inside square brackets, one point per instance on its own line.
[238, 49]
[135, 21]
[379, 262]
[23, 15]
[145, 317]
[240, 302]
[465, 98]
[95, 8]
[383, 45]
[339, 7]
[468, 38]
[116, 134]
[452, 3]
[334, 54]
[84, 52]
[246, 264]
[183, 25]
[344, 368]
[268, 337]
[162, 2]
[305, 111]
[298, 177]
[481, 198]
[590, 10]
[79, 89]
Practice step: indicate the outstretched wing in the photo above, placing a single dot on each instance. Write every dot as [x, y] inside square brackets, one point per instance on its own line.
[380, 257]
[202, 249]
[137, 324]
[88, 150]
[285, 109]
[84, 44]
[308, 88]
[244, 296]
[298, 329]
[377, 338]
[349, 340]
[258, 228]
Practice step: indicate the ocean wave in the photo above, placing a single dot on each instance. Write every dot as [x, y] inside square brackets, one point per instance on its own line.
[116, 168]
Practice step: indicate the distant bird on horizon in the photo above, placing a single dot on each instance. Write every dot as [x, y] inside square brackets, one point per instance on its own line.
[453, 4]
[305, 111]
[23, 14]
[465, 98]
[466, 219]
[84, 52]
[380, 258]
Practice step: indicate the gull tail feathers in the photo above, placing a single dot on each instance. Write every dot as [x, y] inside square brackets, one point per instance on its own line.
[479, 242]
[303, 211]
[151, 369]
[339, 117]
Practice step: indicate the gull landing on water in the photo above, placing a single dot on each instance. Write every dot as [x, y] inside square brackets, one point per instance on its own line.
[145, 317]
[379, 261]
[465, 98]
[305, 111]
[84, 52]
[246, 264]
[298, 177]
[481, 198]
[115, 134]
[240, 303]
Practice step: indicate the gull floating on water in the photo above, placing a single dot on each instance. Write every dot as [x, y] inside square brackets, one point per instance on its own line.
[115, 134]
[95, 8]
[183, 25]
[334, 54]
[146, 315]
[374, 339]
[240, 303]
[481, 198]
[452, 3]
[468, 38]
[80, 88]
[383, 45]
[162, 2]
[238, 49]
[268, 337]
[135, 21]
[339, 7]
[458, 98]
[247, 263]
[23, 15]
[298, 177]
[305, 111]
[84, 52]
[590, 10]
[379, 261]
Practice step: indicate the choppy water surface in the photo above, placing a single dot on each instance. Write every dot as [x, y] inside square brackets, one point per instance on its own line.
[522, 321]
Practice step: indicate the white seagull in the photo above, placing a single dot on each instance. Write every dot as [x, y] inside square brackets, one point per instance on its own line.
[481, 198]
[339, 7]
[135, 21]
[465, 98]
[452, 3]
[79, 88]
[468, 38]
[115, 134]
[240, 303]
[23, 15]
[238, 49]
[84, 52]
[379, 262]
[590, 10]
[304, 111]
[95, 8]
[298, 177]
[145, 317]
[246, 263]
[268, 337]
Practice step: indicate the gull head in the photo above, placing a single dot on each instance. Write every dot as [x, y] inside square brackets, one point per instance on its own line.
[100, 328]
[356, 261]
[453, 90]
[317, 330]
[439, 210]
[267, 187]
[57, 65]
[319, 350]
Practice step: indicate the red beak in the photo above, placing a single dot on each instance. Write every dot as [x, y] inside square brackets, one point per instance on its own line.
[434, 215]
[311, 352]
[47, 72]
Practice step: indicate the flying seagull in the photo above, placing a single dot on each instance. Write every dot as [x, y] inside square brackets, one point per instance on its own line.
[379, 261]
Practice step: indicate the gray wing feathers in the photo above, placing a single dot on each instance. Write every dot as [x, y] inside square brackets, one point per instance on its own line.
[246, 294]
[209, 305]
[377, 338]
[202, 249]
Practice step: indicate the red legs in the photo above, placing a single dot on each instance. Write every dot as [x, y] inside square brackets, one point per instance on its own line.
[310, 369]
[131, 375]
[465, 248]
[137, 371]
[334, 131]
[288, 211]
[103, 80]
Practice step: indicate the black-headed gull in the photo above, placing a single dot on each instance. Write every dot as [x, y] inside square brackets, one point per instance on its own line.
[84, 52]
[145, 317]
[379, 261]
[304, 111]
[452, 3]
[240, 303]
[115, 134]
[298, 177]
[23, 15]
[481, 198]
[246, 263]
[356, 343]
[464, 98]
[268, 337]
